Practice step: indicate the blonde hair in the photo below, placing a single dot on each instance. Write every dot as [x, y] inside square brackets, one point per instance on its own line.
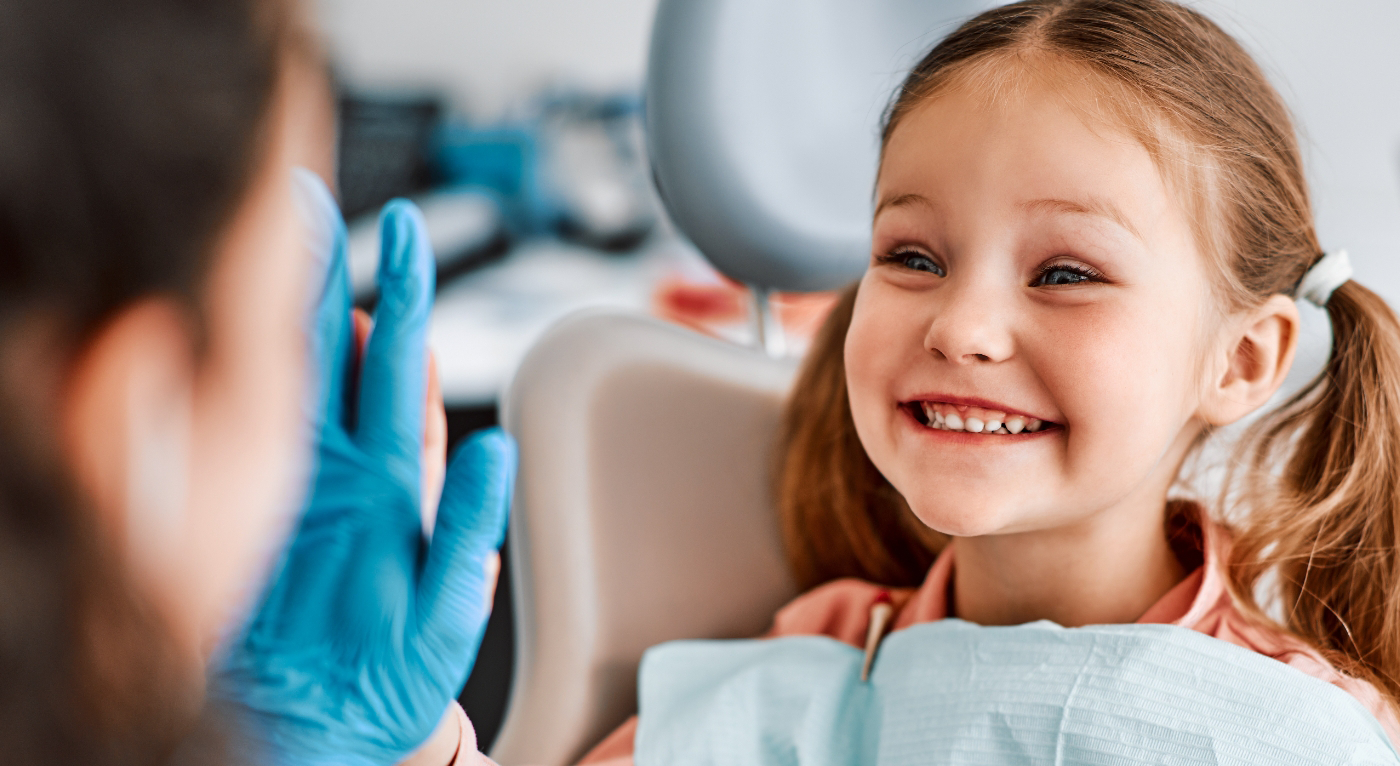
[1316, 495]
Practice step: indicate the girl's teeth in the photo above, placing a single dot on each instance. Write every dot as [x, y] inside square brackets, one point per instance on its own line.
[976, 420]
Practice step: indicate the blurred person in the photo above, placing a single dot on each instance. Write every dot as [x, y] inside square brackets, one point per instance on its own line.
[159, 257]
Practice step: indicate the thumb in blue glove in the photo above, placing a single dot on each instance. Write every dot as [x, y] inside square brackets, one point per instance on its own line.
[367, 632]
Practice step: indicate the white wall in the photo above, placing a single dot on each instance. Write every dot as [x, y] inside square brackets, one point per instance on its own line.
[1338, 66]
[488, 53]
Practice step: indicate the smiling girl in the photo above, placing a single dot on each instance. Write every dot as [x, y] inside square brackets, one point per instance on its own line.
[1091, 227]
[1091, 224]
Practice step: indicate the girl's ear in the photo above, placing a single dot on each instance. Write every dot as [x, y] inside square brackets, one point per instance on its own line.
[1252, 362]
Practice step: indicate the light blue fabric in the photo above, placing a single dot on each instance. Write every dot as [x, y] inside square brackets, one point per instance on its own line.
[951, 692]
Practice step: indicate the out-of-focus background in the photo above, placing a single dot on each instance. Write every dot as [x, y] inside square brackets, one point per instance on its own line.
[517, 125]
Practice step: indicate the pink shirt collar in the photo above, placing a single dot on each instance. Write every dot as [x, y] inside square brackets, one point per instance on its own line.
[1186, 604]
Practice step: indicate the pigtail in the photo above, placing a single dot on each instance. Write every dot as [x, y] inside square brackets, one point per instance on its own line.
[1327, 526]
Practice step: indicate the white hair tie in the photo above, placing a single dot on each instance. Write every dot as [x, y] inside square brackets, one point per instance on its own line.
[1330, 272]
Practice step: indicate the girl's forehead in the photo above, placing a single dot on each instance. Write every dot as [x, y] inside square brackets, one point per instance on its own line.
[1034, 147]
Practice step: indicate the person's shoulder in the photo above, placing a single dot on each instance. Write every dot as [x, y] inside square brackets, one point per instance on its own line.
[1297, 654]
[1228, 623]
[839, 609]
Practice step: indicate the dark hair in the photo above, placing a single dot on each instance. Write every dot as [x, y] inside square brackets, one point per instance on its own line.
[129, 131]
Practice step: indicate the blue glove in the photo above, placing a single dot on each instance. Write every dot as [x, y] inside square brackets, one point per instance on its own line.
[367, 632]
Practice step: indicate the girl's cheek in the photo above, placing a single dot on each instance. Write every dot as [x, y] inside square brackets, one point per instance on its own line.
[1120, 375]
[884, 345]
[883, 330]
[857, 361]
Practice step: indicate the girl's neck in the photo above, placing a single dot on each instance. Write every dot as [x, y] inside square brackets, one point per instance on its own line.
[1110, 569]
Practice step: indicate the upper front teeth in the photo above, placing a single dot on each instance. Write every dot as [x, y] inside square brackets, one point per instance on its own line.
[949, 417]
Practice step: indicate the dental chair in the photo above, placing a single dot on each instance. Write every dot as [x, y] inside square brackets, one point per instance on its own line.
[643, 510]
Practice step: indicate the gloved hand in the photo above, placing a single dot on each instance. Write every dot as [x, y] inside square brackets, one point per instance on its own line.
[367, 631]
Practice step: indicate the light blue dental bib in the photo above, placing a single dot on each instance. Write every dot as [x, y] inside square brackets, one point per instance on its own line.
[951, 692]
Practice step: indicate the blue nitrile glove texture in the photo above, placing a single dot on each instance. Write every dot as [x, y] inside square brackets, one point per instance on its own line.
[367, 631]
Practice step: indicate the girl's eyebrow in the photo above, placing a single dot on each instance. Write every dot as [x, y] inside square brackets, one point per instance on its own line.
[902, 200]
[1089, 206]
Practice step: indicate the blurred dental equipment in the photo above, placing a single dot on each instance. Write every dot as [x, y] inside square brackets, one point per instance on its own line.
[575, 169]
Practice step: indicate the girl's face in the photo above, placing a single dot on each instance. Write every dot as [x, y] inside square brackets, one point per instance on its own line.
[1027, 265]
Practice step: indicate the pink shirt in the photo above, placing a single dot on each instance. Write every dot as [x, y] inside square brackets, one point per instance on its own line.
[1201, 602]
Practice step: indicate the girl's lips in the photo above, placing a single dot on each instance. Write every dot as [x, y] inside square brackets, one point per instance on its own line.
[964, 402]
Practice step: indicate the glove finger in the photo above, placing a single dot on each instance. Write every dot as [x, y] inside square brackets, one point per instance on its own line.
[331, 347]
[454, 593]
[393, 373]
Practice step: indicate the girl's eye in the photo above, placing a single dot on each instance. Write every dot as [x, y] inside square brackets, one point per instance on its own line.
[1064, 274]
[914, 261]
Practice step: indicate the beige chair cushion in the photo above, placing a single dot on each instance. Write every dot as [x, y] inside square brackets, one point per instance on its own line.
[643, 513]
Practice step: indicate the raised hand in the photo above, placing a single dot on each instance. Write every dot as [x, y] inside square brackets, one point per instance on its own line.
[367, 630]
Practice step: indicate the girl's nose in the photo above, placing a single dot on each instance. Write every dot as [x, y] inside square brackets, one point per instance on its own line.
[970, 326]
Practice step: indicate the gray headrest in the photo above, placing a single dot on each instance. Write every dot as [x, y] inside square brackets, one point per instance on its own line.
[763, 123]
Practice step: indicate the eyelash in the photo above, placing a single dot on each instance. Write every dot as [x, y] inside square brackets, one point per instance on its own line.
[1088, 274]
[900, 258]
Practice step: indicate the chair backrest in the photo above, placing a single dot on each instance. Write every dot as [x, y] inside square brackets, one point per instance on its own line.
[642, 514]
[763, 126]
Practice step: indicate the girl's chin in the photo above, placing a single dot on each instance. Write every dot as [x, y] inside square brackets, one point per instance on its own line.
[969, 517]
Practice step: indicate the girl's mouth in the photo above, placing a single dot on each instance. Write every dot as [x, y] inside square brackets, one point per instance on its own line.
[974, 420]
